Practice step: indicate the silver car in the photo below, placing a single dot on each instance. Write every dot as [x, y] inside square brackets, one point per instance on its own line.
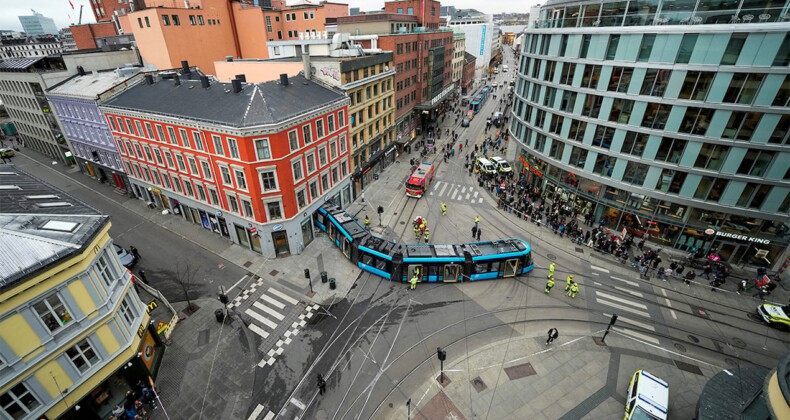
[127, 259]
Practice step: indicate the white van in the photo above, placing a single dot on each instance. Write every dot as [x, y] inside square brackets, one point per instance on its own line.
[485, 166]
[504, 68]
[648, 397]
[501, 164]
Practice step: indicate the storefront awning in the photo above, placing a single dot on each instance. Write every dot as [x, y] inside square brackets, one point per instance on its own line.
[429, 105]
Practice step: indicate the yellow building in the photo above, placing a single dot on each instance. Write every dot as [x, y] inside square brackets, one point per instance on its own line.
[71, 323]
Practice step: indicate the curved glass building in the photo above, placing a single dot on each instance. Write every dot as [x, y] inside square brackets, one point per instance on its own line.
[665, 118]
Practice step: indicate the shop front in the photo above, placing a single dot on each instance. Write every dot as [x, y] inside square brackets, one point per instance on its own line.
[405, 131]
[736, 238]
[371, 170]
[104, 174]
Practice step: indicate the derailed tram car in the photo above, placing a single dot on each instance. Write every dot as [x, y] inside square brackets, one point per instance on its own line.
[429, 262]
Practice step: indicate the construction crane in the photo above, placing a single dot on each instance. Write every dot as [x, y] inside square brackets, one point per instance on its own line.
[79, 21]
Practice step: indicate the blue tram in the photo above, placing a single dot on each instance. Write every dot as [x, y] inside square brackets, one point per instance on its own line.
[431, 262]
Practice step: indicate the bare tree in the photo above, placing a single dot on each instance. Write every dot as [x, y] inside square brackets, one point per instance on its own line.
[185, 277]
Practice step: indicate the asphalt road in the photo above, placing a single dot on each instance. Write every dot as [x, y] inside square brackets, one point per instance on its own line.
[161, 250]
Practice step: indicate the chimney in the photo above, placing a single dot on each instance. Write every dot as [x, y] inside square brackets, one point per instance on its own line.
[204, 81]
[229, 58]
[284, 79]
[306, 62]
[177, 80]
[80, 71]
[149, 79]
[242, 78]
[185, 67]
[236, 85]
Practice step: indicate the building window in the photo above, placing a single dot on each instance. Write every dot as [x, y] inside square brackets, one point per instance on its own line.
[297, 170]
[241, 181]
[656, 115]
[301, 199]
[147, 22]
[233, 148]
[262, 149]
[169, 159]
[279, 34]
[670, 150]
[743, 88]
[214, 197]
[274, 210]
[18, 401]
[247, 207]
[634, 143]
[82, 356]
[193, 167]
[696, 121]
[181, 166]
[733, 49]
[192, 20]
[671, 181]
[201, 192]
[127, 311]
[269, 181]
[171, 133]
[184, 138]
[198, 138]
[319, 128]
[783, 55]
[161, 133]
[611, 49]
[139, 127]
[166, 20]
[341, 118]
[755, 162]
[293, 140]
[233, 204]
[225, 173]
[330, 123]
[310, 158]
[741, 125]
[619, 82]
[206, 169]
[104, 268]
[753, 195]
[52, 312]
[686, 48]
[268, 24]
[218, 145]
[343, 143]
[140, 22]
[332, 150]
[200, 20]
[711, 156]
[646, 47]
[635, 173]
[322, 156]
[696, 85]
[176, 20]
[655, 82]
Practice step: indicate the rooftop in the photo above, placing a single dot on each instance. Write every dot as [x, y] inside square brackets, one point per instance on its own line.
[89, 86]
[39, 225]
[33, 64]
[257, 104]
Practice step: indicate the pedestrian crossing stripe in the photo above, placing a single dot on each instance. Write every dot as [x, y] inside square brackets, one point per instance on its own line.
[456, 191]
[257, 412]
[637, 335]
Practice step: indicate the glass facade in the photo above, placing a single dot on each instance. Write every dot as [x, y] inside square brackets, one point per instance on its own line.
[666, 131]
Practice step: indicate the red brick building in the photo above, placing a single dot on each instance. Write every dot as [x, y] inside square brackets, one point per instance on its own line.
[85, 35]
[423, 53]
[251, 162]
[104, 10]
[468, 78]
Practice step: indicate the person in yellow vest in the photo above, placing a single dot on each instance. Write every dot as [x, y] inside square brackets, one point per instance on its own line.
[367, 221]
[414, 282]
[568, 283]
[552, 266]
[417, 232]
[549, 285]
[423, 226]
[574, 290]
[477, 221]
[427, 235]
[444, 209]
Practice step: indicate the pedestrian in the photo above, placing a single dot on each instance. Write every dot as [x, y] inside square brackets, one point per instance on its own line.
[444, 209]
[553, 334]
[477, 220]
[367, 221]
[760, 293]
[479, 232]
[474, 231]
[142, 276]
[741, 286]
[549, 285]
[414, 282]
[568, 282]
[660, 273]
[416, 232]
[552, 266]
[690, 276]
[321, 384]
[574, 290]
[134, 251]
[427, 235]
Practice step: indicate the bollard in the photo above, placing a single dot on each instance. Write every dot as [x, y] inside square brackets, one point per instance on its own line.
[220, 315]
[332, 285]
[323, 277]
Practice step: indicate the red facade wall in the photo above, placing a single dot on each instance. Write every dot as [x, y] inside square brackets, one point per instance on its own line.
[427, 11]
[85, 35]
[281, 161]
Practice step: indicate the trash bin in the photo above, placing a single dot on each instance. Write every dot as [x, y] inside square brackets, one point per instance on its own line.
[220, 314]
[480, 182]
[332, 285]
[323, 277]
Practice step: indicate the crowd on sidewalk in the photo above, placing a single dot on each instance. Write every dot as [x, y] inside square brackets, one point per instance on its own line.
[136, 404]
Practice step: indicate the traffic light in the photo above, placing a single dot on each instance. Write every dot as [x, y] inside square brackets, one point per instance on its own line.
[223, 298]
[307, 273]
[441, 354]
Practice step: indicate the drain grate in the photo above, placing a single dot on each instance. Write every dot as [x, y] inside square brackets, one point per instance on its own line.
[697, 311]
[693, 338]
[737, 342]
[681, 348]
[274, 273]
[580, 250]
[203, 337]
[247, 264]
[551, 257]
[688, 367]
[520, 371]
[479, 385]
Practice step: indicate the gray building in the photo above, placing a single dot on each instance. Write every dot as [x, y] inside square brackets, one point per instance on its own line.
[38, 24]
[664, 120]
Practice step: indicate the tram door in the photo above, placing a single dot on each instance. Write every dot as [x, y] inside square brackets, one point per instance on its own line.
[346, 247]
[511, 268]
[332, 231]
[417, 270]
[452, 273]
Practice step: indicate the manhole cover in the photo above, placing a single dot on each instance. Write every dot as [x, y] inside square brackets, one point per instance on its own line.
[520, 371]
[247, 264]
[551, 257]
[681, 348]
[694, 339]
[390, 405]
[697, 311]
[730, 362]
[688, 367]
[579, 250]
[274, 273]
[402, 222]
[478, 384]
[737, 342]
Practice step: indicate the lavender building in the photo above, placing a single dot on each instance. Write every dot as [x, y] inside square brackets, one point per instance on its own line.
[75, 102]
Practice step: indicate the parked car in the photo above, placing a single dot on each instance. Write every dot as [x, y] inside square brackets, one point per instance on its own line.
[465, 122]
[127, 259]
[776, 316]
[6, 152]
[501, 164]
[647, 397]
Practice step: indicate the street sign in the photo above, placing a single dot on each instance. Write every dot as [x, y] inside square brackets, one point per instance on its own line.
[276, 228]
[160, 327]
[709, 231]
[253, 230]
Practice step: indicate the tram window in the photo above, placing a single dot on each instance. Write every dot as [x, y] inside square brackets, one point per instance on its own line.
[432, 270]
[381, 264]
[528, 260]
[367, 259]
[481, 268]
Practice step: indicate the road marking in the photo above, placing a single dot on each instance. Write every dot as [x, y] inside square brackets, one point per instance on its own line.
[269, 310]
[637, 335]
[463, 190]
[455, 192]
[441, 193]
[237, 283]
[480, 200]
[629, 282]
[632, 322]
[623, 289]
[594, 267]
[255, 413]
[621, 300]
[467, 196]
[282, 296]
[596, 283]
[669, 303]
[260, 318]
[272, 301]
[595, 274]
[269, 416]
[258, 330]
[298, 403]
[622, 307]
[475, 195]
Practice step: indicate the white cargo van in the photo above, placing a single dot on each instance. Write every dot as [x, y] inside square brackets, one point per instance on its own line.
[485, 166]
[648, 397]
[501, 164]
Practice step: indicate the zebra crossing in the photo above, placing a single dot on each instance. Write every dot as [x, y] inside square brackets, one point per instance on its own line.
[456, 192]
[259, 409]
[631, 314]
